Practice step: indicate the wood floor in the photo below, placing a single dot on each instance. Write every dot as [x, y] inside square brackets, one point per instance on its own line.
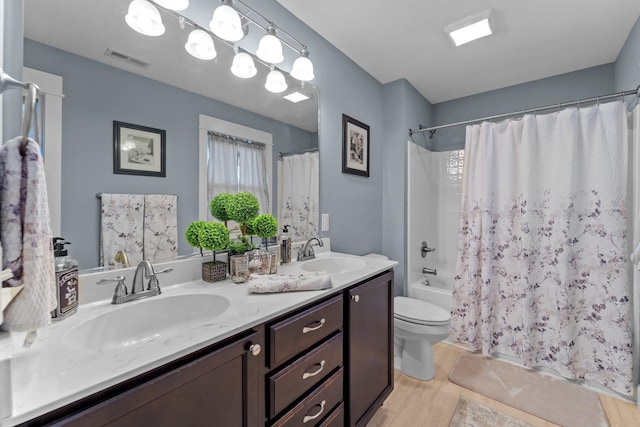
[431, 403]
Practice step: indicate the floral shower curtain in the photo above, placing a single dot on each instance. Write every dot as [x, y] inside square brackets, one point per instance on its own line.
[299, 194]
[542, 254]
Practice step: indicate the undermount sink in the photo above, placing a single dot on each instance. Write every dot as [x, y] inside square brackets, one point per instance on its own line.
[146, 320]
[334, 265]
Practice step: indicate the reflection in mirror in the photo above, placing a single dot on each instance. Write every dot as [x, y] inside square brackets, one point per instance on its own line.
[98, 57]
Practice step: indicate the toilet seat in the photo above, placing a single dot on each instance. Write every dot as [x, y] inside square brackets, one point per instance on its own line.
[420, 312]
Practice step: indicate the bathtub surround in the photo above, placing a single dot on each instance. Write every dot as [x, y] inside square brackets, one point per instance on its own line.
[542, 270]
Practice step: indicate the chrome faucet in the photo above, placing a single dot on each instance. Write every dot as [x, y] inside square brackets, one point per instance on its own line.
[145, 268]
[306, 251]
[426, 270]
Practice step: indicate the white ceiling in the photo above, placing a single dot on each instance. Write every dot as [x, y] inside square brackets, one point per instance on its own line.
[88, 27]
[533, 39]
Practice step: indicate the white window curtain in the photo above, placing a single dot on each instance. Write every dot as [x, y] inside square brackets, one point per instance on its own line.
[298, 194]
[235, 166]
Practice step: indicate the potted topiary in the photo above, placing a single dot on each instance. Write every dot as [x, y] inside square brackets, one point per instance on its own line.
[265, 226]
[243, 208]
[212, 236]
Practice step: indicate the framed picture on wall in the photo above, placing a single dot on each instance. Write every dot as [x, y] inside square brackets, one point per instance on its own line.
[355, 146]
[138, 150]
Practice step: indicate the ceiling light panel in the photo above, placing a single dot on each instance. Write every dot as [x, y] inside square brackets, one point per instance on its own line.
[470, 28]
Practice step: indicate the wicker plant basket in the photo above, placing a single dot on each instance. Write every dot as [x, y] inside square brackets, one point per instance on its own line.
[214, 271]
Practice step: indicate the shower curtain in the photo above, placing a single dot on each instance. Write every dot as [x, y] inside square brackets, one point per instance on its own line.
[542, 254]
[299, 194]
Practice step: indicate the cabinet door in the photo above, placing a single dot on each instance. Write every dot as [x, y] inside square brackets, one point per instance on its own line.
[218, 389]
[370, 347]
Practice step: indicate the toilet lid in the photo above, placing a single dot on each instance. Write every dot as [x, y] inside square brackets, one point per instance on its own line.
[418, 311]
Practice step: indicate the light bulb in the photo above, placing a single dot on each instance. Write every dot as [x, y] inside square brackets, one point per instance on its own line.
[243, 66]
[275, 82]
[270, 48]
[174, 4]
[226, 23]
[302, 68]
[144, 18]
[200, 45]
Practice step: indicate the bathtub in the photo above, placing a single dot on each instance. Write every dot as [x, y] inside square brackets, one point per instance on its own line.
[438, 291]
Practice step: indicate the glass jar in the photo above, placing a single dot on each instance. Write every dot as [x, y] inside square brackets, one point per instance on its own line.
[239, 268]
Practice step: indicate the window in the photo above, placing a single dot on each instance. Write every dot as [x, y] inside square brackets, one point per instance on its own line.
[246, 166]
[236, 165]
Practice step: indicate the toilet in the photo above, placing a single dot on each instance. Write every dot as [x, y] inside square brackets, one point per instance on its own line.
[418, 325]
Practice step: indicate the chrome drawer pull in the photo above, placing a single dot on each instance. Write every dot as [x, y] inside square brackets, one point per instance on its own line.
[314, 328]
[313, 417]
[313, 374]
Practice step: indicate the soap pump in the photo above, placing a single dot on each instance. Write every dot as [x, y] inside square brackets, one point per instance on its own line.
[285, 245]
[66, 280]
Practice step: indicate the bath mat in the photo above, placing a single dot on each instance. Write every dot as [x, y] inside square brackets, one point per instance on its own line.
[469, 413]
[537, 394]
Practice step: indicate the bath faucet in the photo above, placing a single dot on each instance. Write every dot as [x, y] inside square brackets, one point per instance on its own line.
[306, 251]
[425, 249]
[144, 271]
[426, 270]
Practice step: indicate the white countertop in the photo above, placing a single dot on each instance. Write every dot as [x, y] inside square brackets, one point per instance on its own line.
[51, 373]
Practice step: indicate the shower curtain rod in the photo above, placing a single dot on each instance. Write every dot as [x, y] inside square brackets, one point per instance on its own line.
[292, 153]
[432, 130]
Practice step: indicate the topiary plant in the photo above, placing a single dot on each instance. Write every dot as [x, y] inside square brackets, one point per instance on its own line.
[243, 207]
[219, 207]
[265, 226]
[192, 234]
[240, 246]
[213, 236]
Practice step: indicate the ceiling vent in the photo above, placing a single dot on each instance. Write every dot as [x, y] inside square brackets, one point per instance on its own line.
[126, 58]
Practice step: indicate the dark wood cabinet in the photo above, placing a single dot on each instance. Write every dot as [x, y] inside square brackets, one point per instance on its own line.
[329, 363]
[369, 350]
[217, 389]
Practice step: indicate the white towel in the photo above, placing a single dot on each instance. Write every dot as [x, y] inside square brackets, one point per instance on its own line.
[26, 236]
[314, 281]
[122, 227]
[160, 226]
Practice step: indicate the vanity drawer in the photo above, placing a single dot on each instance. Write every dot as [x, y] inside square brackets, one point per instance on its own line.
[335, 419]
[312, 410]
[295, 334]
[292, 382]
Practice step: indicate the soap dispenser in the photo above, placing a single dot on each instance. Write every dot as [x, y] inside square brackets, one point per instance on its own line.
[285, 245]
[66, 280]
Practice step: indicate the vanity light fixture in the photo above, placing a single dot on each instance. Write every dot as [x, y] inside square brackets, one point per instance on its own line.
[174, 4]
[200, 45]
[145, 18]
[270, 48]
[275, 81]
[243, 65]
[296, 97]
[226, 22]
[470, 28]
[302, 68]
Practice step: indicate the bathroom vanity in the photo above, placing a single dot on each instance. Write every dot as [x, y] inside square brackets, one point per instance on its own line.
[319, 358]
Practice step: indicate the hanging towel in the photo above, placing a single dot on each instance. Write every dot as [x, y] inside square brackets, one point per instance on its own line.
[314, 281]
[26, 236]
[122, 227]
[160, 226]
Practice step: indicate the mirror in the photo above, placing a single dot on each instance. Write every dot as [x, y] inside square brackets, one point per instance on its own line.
[98, 56]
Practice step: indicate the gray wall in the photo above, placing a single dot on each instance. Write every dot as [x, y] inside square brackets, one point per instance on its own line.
[539, 93]
[95, 96]
[403, 108]
[627, 65]
[12, 65]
